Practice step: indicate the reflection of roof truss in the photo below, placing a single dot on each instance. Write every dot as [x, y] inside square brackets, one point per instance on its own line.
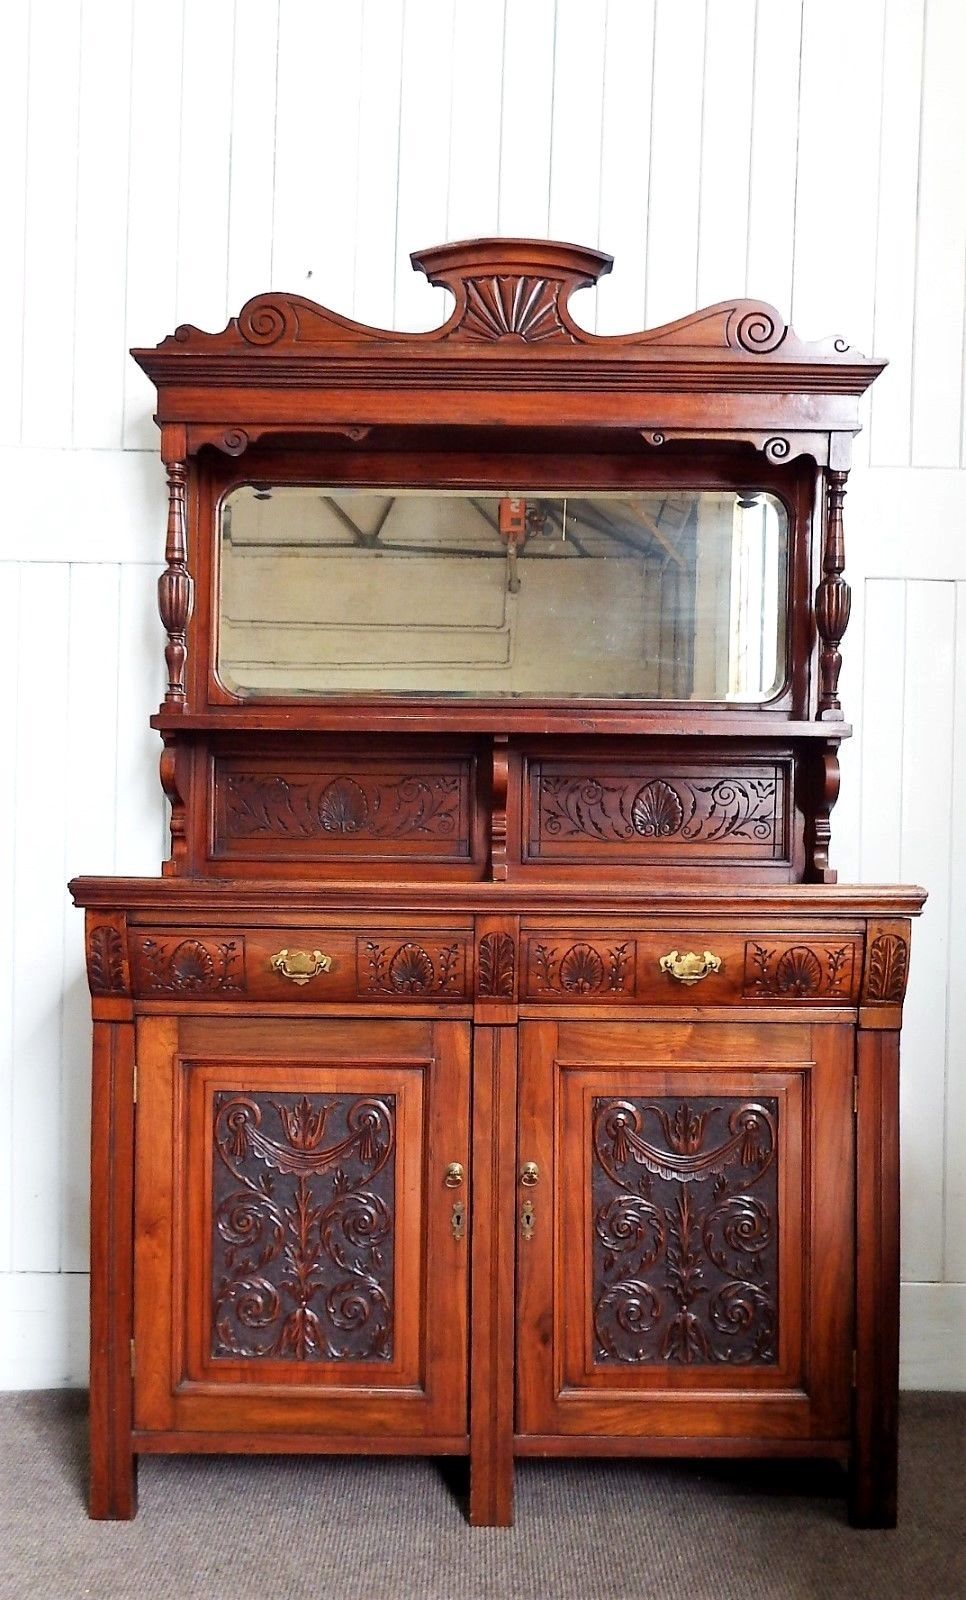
[643, 532]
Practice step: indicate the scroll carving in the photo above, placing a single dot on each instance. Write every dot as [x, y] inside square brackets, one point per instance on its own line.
[800, 971]
[685, 1217]
[888, 968]
[303, 1212]
[340, 805]
[191, 966]
[175, 586]
[747, 810]
[497, 954]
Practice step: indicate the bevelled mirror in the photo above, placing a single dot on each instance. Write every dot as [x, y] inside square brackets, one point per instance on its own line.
[648, 595]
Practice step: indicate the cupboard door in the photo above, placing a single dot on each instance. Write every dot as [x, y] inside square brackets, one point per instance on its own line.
[300, 1262]
[685, 1251]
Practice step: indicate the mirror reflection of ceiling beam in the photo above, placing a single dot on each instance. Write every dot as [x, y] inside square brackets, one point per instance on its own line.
[366, 541]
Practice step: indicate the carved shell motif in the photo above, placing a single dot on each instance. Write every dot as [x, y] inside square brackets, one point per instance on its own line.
[657, 812]
[411, 970]
[798, 971]
[581, 970]
[523, 309]
[343, 807]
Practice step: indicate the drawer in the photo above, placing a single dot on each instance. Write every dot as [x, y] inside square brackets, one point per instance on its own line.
[314, 965]
[689, 966]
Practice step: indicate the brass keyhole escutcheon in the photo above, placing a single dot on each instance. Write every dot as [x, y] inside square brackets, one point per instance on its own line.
[457, 1221]
[528, 1220]
[529, 1174]
[453, 1176]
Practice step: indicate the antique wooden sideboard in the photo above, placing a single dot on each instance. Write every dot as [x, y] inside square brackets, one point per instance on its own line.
[497, 1068]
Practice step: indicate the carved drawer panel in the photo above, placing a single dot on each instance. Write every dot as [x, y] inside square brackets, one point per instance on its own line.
[689, 966]
[311, 965]
[348, 808]
[602, 812]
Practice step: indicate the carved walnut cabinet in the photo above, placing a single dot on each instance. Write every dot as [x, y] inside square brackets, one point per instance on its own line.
[497, 1068]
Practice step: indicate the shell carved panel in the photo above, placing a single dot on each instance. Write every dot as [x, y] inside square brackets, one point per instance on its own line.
[190, 966]
[354, 810]
[585, 969]
[698, 813]
[685, 1231]
[438, 969]
[303, 1216]
[788, 970]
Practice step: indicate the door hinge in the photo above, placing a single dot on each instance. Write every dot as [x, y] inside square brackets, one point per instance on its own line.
[134, 1084]
[132, 1359]
[855, 1094]
[855, 1369]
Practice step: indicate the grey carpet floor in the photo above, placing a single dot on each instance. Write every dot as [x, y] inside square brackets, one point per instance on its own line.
[261, 1529]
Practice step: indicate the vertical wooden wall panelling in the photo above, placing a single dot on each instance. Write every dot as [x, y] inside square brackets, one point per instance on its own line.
[927, 835]
[954, 1110]
[528, 87]
[251, 162]
[473, 172]
[677, 97]
[378, 164]
[895, 276]
[835, 217]
[152, 218]
[424, 118]
[10, 672]
[41, 786]
[575, 133]
[13, 209]
[203, 178]
[89, 834]
[625, 162]
[729, 58]
[103, 166]
[937, 360]
[51, 222]
[774, 153]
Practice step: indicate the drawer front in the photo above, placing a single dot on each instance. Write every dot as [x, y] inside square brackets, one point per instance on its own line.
[314, 965]
[689, 966]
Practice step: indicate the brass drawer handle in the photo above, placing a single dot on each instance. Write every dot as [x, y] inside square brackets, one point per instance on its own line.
[689, 968]
[300, 966]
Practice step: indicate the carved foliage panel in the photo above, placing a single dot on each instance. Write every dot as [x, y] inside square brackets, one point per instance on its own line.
[792, 970]
[303, 1215]
[353, 808]
[691, 813]
[685, 1224]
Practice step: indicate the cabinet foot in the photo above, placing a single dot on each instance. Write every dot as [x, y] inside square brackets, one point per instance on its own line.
[872, 1489]
[491, 1494]
[113, 1495]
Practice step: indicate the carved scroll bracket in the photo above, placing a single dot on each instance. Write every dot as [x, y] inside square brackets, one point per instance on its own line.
[175, 585]
[171, 764]
[822, 781]
[833, 601]
[498, 808]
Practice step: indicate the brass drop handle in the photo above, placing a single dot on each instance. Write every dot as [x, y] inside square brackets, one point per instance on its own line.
[529, 1177]
[689, 968]
[453, 1179]
[300, 966]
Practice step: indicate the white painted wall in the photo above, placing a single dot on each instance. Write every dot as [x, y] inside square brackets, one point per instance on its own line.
[162, 163]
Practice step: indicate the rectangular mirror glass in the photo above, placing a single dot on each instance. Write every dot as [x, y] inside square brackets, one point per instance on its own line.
[676, 595]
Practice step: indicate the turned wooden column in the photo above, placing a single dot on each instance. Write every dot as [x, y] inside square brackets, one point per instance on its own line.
[833, 601]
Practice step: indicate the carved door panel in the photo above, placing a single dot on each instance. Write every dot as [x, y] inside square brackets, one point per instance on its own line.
[300, 1262]
[684, 1254]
